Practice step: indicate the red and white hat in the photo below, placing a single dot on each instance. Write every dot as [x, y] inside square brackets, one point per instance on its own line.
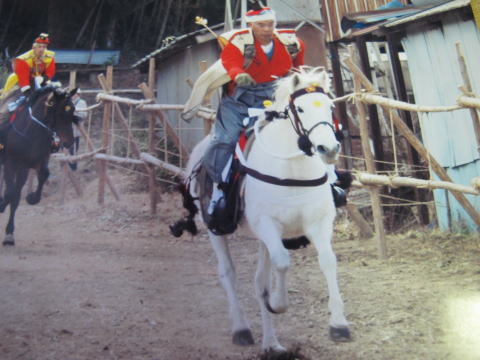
[42, 39]
[264, 14]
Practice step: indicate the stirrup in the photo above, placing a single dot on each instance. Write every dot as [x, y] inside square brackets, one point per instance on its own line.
[217, 207]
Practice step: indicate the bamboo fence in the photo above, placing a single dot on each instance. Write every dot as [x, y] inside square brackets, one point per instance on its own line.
[365, 93]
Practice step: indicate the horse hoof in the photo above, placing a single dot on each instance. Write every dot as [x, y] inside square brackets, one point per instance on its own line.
[266, 301]
[33, 199]
[243, 337]
[9, 240]
[340, 334]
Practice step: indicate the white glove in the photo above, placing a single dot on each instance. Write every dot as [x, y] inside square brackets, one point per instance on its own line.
[38, 81]
[244, 79]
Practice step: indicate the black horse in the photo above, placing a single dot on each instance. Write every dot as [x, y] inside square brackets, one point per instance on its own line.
[28, 139]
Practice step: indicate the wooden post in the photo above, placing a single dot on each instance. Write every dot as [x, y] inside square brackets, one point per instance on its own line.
[468, 87]
[365, 229]
[73, 80]
[152, 184]
[63, 182]
[207, 124]
[418, 146]
[370, 164]
[105, 139]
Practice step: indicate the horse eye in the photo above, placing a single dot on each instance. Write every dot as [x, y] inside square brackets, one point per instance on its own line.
[299, 109]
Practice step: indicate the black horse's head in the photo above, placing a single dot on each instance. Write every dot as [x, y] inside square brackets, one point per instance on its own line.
[59, 114]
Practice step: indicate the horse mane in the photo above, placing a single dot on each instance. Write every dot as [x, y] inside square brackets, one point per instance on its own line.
[300, 78]
[41, 92]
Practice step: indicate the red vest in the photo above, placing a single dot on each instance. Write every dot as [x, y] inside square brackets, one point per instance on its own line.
[261, 68]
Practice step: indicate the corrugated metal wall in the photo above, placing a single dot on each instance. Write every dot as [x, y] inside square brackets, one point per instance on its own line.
[435, 74]
[172, 87]
[333, 11]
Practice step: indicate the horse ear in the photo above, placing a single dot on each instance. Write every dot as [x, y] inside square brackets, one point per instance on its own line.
[73, 92]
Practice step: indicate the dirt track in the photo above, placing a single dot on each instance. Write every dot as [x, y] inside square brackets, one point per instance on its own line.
[86, 283]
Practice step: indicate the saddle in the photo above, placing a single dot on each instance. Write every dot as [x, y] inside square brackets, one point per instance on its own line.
[223, 223]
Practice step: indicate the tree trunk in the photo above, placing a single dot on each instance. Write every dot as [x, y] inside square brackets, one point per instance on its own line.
[164, 24]
[110, 36]
[93, 36]
[84, 26]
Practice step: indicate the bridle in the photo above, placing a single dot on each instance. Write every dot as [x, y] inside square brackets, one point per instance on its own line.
[304, 142]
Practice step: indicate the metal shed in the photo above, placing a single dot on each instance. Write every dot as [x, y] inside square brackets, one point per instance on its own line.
[429, 40]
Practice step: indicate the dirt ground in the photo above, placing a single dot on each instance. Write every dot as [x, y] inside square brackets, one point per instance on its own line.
[85, 282]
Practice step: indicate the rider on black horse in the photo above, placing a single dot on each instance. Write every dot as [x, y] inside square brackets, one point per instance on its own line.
[32, 69]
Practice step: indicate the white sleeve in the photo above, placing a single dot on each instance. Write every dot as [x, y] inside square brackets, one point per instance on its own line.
[81, 104]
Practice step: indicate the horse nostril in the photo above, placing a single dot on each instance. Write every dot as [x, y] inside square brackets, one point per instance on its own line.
[321, 149]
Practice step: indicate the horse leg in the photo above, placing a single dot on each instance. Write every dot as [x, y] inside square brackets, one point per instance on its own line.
[9, 175]
[262, 289]
[321, 235]
[269, 233]
[34, 197]
[20, 180]
[242, 334]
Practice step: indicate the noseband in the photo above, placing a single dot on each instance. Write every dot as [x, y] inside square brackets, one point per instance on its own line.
[304, 142]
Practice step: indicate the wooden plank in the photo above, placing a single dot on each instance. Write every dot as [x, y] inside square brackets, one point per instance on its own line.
[118, 159]
[362, 178]
[119, 99]
[152, 184]
[356, 216]
[342, 107]
[157, 162]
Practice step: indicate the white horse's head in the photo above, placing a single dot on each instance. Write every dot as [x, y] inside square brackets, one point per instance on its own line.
[303, 93]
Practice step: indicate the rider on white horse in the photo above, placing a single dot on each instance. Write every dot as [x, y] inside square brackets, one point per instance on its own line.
[253, 59]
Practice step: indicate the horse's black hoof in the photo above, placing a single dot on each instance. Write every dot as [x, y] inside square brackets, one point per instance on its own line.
[33, 199]
[9, 240]
[243, 337]
[340, 334]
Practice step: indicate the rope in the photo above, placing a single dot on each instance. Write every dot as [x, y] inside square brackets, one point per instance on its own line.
[383, 162]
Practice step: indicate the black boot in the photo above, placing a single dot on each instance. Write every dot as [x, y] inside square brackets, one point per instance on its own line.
[339, 196]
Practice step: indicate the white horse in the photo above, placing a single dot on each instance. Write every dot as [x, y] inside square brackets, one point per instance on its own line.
[276, 212]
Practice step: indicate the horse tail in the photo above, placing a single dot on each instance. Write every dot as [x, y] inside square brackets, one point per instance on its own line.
[187, 187]
[188, 222]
